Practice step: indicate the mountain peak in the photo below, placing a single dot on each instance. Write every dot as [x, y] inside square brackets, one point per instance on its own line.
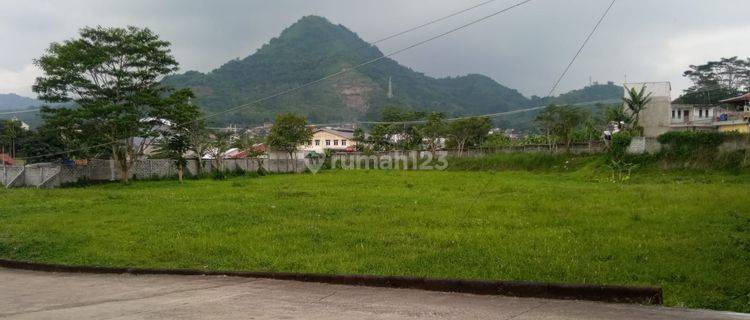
[313, 48]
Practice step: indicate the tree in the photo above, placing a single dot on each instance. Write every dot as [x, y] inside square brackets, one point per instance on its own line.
[561, 121]
[112, 75]
[360, 139]
[468, 132]
[617, 114]
[636, 102]
[717, 80]
[180, 121]
[434, 130]
[10, 133]
[288, 132]
[220, 142]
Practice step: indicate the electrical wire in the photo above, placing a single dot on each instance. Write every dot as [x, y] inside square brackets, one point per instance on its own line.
[583, 45]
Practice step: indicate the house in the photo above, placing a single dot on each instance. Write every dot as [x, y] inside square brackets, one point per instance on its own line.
[6, 159]
[334, 139]
[655, 118]
[737, 119]
[661, 115]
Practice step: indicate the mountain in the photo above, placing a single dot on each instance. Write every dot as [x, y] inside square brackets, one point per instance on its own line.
[313, 48]
[12, 101]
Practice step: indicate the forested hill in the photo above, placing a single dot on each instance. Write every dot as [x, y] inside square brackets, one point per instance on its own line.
[13, 101]
[312, 48]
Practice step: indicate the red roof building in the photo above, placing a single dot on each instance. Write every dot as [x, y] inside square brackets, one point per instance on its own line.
[6, 159]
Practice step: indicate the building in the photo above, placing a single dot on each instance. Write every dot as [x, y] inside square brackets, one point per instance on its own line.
[655, 118]
[737, 119]
[334, 139]
[661, 115]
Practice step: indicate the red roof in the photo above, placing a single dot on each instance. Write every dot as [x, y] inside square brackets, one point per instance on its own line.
[6, 159]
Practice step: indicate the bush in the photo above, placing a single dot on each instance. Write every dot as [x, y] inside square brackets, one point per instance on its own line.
[732, 161]
[695, 148]
[219, 175]
[620, 143]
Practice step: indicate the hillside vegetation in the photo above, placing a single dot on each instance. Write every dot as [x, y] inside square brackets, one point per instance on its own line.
[313, 47]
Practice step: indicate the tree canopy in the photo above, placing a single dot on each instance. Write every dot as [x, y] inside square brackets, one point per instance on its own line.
[112, 76]
[717, 80]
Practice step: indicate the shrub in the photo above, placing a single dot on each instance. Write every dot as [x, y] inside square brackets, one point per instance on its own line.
[692, 146]
[620, 143]
[219, 175]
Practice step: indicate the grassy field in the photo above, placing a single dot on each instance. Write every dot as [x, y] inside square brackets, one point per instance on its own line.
[689, 235]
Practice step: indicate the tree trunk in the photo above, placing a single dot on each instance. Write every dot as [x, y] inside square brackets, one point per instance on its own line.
[180, 170]
[124, 171]
[198, 166]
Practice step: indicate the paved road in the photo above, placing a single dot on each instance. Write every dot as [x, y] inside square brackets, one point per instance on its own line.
[37, 295]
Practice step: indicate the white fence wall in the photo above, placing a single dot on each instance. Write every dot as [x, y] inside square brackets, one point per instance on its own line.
[48, 175]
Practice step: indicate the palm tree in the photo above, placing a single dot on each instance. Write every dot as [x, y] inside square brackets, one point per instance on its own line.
[636, 102]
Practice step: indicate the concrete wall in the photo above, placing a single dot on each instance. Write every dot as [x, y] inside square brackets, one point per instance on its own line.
[657, 115]
[55, 175]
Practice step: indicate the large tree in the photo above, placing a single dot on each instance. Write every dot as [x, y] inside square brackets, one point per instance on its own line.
[434, 130]
[288, 132]
[468, 132]
[181, 123]
[10, 133]
[562, 121]
[112, 75]
[717, 80]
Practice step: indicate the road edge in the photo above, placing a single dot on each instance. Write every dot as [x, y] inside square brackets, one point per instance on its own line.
[526, 289]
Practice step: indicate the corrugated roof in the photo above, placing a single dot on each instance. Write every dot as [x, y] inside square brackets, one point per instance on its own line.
[743, 98]
[344, 134]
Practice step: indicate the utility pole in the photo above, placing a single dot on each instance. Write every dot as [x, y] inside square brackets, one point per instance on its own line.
[390, 88]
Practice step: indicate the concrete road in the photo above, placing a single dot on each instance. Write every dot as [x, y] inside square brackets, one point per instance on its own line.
[37, 295]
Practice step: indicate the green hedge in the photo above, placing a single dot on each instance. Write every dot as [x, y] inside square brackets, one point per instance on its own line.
[692, 144]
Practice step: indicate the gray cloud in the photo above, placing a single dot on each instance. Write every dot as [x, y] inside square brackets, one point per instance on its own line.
[524, 49]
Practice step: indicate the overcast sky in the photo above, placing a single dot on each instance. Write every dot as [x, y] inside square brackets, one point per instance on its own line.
[525, 49]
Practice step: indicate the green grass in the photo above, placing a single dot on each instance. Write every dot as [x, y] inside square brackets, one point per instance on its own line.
[690, 235]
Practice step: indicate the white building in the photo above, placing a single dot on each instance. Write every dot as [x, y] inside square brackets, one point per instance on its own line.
[337, 139]
[661, 115]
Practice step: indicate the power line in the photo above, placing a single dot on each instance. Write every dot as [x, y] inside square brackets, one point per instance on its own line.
[489, 180]
[583, 45]
[330, 76]
[386, 38]
[363, 64]
[21, 111]
[431, 22]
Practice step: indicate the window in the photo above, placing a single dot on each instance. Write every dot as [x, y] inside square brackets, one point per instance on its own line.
[335, 142]
[317, 142]
[679, 115]
[328, 142]
[673, 114]
[343, 143]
